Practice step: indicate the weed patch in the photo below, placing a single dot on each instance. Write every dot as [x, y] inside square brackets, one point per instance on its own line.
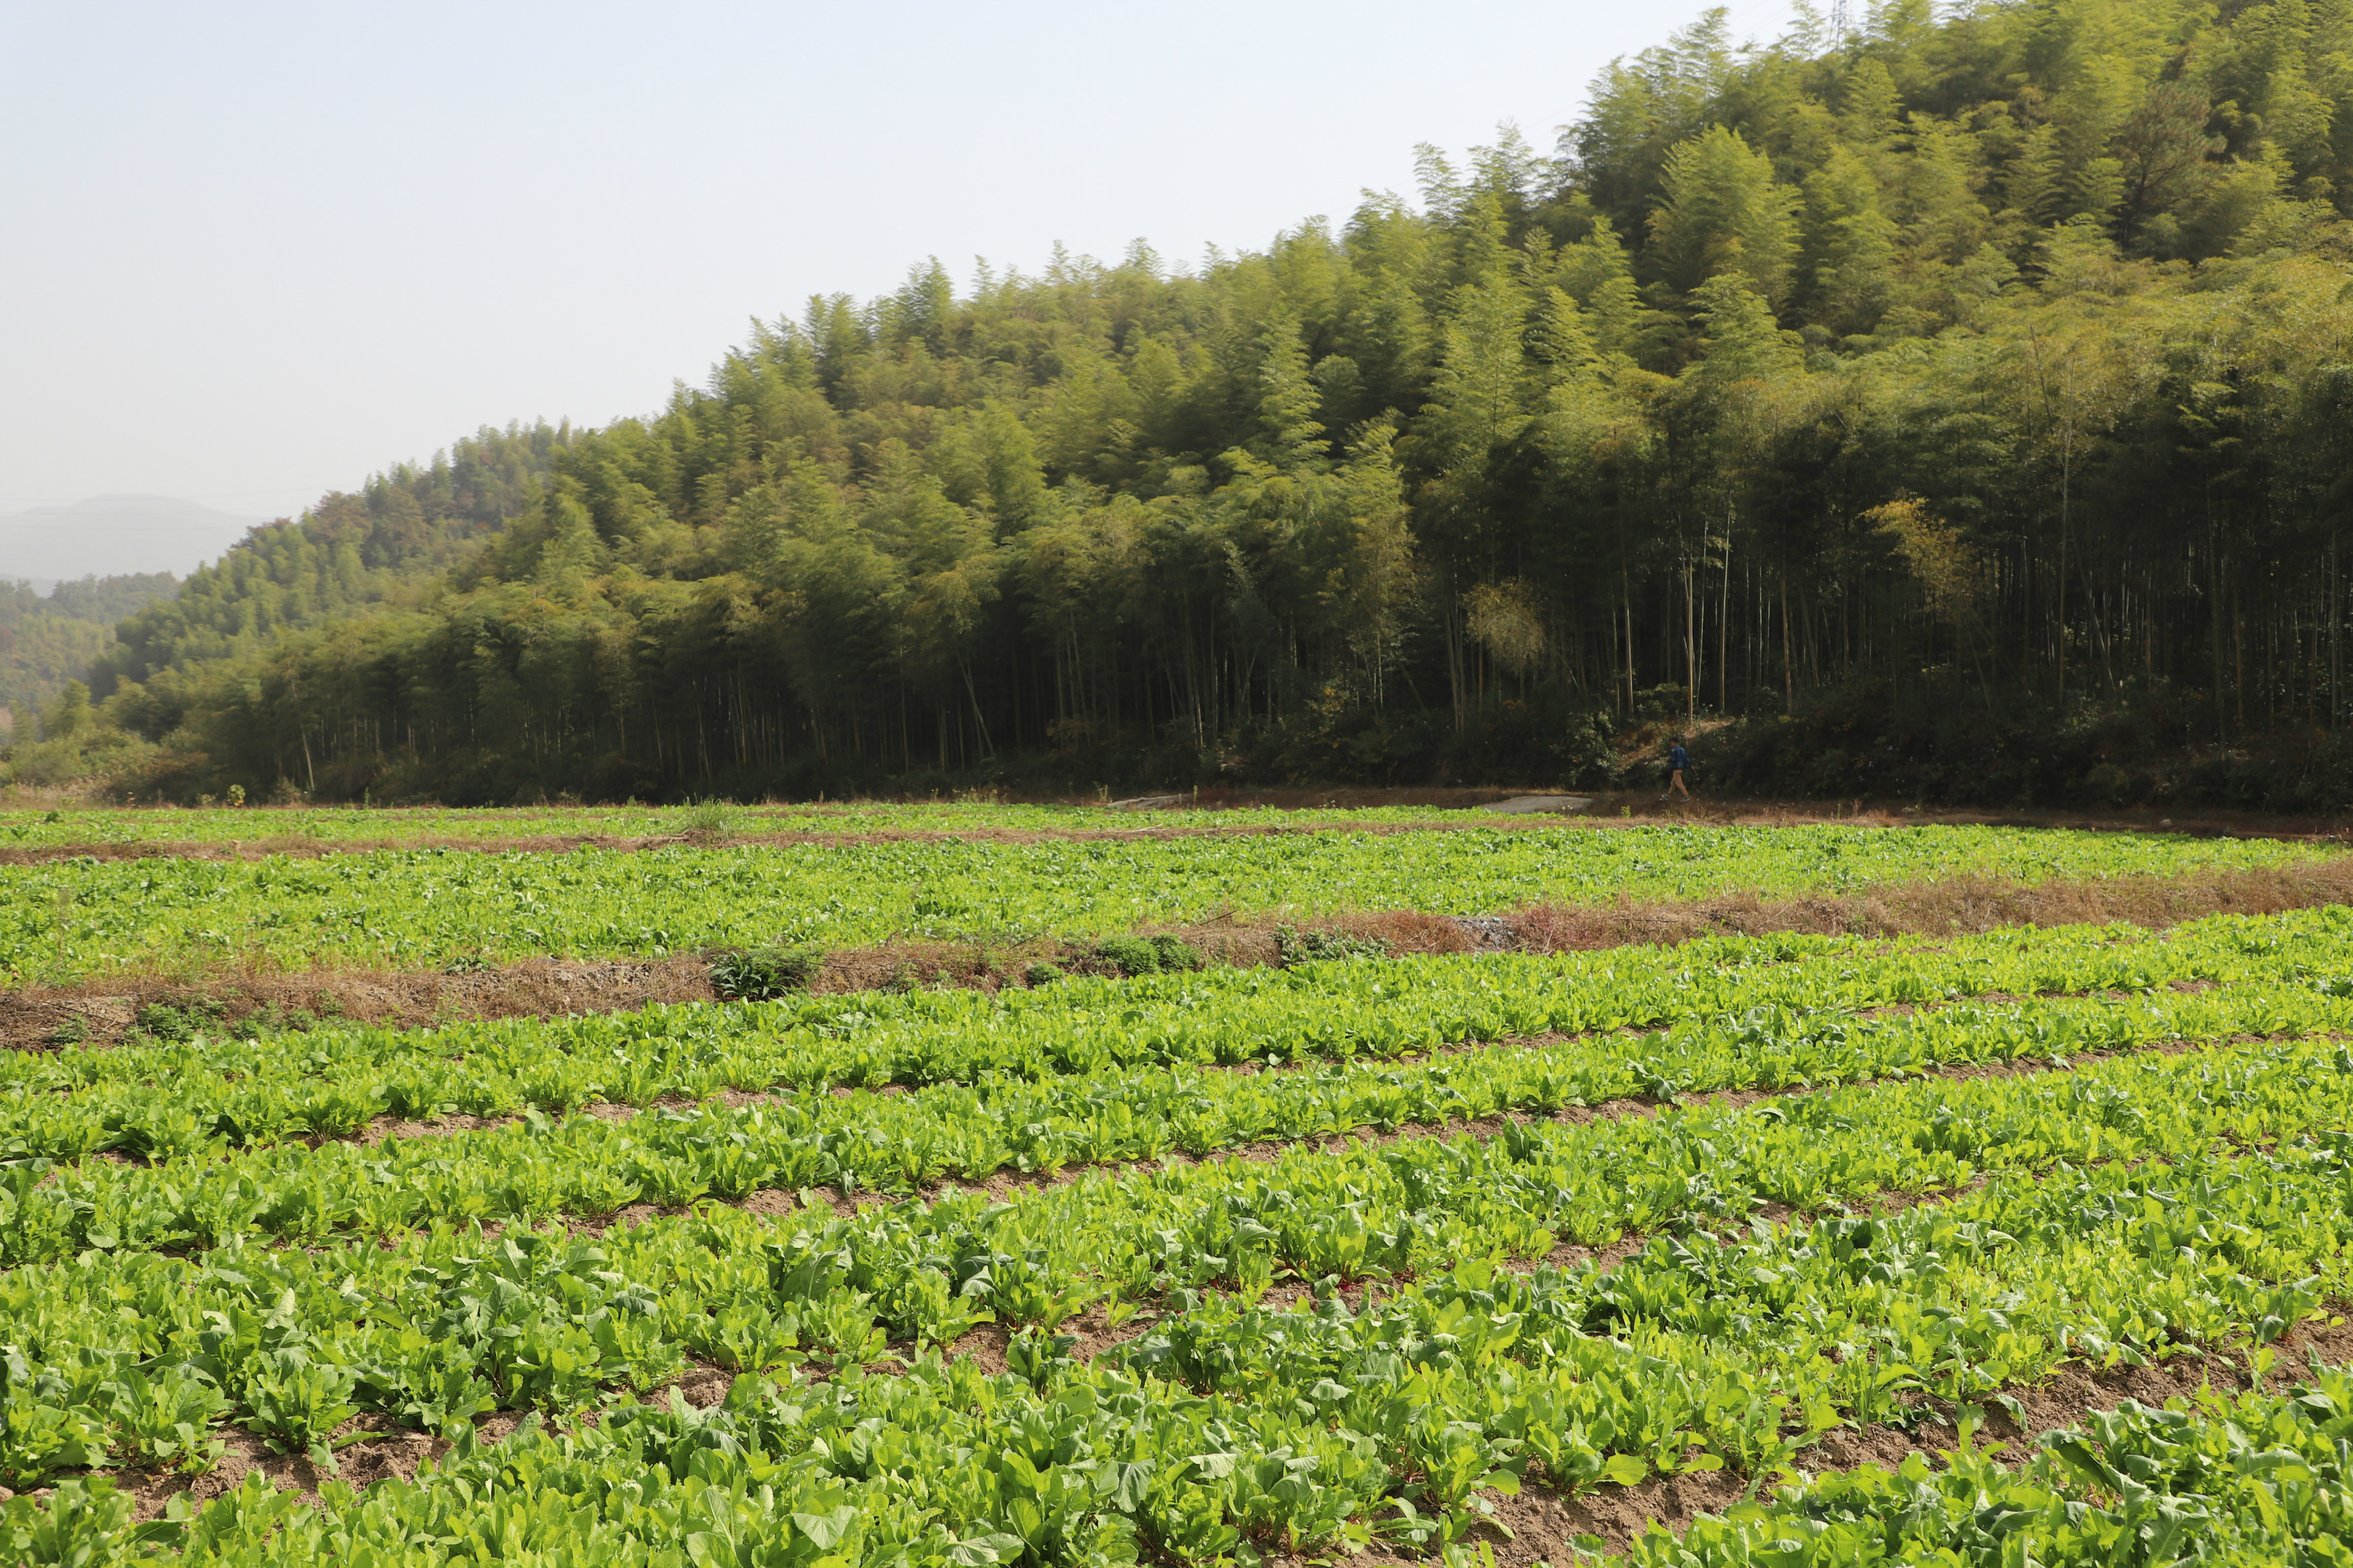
[764, 973]
[1295, 947]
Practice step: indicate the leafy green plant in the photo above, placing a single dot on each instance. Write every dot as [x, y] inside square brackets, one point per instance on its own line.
[750, 1336]
[427, 1381]
[709, 821]
[47, 1424]
[177, 1024]
[85, 1523]
[1295, 947]
[298, 1400]
[167, 1415]
[763, 974]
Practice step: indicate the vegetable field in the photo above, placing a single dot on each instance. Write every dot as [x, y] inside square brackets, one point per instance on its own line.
[80, 919]
[425, 825]
[1445, 1259]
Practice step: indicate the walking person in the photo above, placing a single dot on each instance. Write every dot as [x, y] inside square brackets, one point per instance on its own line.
[1677, 761]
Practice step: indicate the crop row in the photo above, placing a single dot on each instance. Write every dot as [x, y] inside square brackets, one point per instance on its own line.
[1229, 1429]
[330, 825]
[71, 920]
[194, 1194]
[435, 1326]
[1780, 1002]
[2251, 1478]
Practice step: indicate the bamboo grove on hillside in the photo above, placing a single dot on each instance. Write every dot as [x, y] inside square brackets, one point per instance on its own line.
[2005, 356]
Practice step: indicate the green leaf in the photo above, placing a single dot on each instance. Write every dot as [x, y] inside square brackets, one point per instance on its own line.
[826, 1529]
[1624, 1469]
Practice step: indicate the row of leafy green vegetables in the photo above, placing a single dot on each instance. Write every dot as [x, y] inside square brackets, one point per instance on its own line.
[195, 1193]
[2241, 1478]
[167, 1100]
[1228, 1427]
[71, 920]
[2248, 1478]
[58, 829]
[1050, 1253]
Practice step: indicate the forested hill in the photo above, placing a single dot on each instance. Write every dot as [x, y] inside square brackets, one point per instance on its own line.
[1964, 404]
[349, 552]
[50, 640]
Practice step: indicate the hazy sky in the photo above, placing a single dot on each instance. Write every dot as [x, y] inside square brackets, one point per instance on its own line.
[251, 252]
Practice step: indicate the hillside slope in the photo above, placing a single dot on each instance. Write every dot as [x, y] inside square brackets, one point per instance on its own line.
[1973, 393]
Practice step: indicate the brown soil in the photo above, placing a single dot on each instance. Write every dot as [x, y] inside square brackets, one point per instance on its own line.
[386, 1451]
[1960, 906]
[103, 1010]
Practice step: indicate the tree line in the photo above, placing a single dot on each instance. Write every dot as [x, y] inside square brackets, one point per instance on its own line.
[47, 645]
[1977, 377]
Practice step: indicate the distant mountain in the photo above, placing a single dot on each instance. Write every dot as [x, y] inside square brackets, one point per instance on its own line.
[108, 536]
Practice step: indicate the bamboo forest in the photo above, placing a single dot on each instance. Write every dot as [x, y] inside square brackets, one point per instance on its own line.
[1956, 401]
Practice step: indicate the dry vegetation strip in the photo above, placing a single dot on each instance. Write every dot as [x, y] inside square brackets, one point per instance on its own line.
[103, 1010]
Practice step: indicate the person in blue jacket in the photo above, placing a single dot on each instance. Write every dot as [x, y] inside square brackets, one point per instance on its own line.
[1677, 761]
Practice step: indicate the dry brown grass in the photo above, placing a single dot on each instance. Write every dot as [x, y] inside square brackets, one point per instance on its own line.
[1959, 906]
[545, 988]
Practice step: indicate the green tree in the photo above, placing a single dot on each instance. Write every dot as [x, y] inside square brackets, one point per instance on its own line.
[69, 715]
[1721, 210]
